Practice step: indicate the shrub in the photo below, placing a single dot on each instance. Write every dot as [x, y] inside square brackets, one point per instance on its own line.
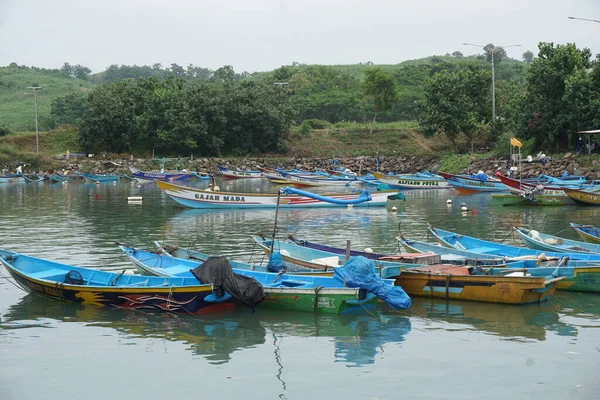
[4, 131]
[316, 123]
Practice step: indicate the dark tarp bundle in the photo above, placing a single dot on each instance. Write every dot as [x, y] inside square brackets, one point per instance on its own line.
[359, 272]
[217, 270]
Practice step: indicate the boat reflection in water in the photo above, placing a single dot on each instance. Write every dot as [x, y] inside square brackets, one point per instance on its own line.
[358, 337]
[510, 322]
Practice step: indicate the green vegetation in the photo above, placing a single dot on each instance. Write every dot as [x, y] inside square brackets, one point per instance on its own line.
[17, 109]
[354, 139]
[457, 163]
[317, 110]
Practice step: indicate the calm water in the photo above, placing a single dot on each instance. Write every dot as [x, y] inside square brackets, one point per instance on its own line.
[435, 350]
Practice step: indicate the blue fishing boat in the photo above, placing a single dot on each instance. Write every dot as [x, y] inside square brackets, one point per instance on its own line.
[314, 180]
[100, 288]
[463, 242]
[419, 180]
[57, 177]
[99, 178]
[239, 174]
[446, 280]
[352, 286]
[475, 183]
[11, 178]
[588, 233]
[31, 178]
[583, 276]
[542, 241]
[201, 175]
[152, 176]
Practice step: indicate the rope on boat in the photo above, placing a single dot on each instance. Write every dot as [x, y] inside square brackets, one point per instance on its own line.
[316, 302]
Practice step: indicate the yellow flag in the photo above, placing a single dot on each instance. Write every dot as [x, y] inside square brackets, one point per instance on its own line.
[515, 142]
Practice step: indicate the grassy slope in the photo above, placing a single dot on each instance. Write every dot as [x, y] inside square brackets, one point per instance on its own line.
[17, 109]
[21, 146]
[354, 139]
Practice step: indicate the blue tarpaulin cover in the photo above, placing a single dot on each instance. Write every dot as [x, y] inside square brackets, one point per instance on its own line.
[481, 177]
[276, 263]
[359, 272]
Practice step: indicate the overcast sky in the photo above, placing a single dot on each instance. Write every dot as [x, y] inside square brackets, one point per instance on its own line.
[260, 35]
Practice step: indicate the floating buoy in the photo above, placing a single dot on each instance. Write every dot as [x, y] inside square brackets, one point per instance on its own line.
[96, 196]
[463, 207]
[394, 209]
[216, 188]
[350, 206]
[134, 198]
[368, 250]
[474, 212]
[97, 182]
[449, 201]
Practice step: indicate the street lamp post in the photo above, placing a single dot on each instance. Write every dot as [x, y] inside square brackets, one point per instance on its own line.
[35, 94]
[493, 74]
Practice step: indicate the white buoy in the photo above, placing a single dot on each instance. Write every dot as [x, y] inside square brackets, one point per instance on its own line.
[134, 198]
[449, 201]
[368, 250]
[217, 189]
[394, 209]
[350, 206]
[463, 207]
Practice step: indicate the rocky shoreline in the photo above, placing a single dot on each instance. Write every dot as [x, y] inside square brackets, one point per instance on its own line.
[401, 164]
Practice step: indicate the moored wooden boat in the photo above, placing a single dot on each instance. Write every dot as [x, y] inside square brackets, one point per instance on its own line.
[56, 177]
[475, 245]
[200, 175]
[491, 286]
[282, 290]
[474, 183]
[99, 178]
[11, 178]
[314, 180]
[101, 288]
[542, 241]
[197, 198]
[420, 180]
[588, 233]
[530, 199]
[239, 174]
[590, 197]
[152, 176]
[580, 276]
[31, 178]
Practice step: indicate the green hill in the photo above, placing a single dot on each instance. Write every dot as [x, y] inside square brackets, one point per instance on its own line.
[507, 69]
[17, 109]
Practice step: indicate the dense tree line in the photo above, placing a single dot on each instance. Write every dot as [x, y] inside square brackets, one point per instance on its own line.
[557, 96]
[546, 98]
[173, 115]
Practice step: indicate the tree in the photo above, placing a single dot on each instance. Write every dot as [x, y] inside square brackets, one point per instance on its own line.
[498, 52]
[224, 74]
[380, 88]
[557, 85]
[528, 57]
[67, 69]
[455, 102]
[68, 109]
[81, 72]
[457, 54]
